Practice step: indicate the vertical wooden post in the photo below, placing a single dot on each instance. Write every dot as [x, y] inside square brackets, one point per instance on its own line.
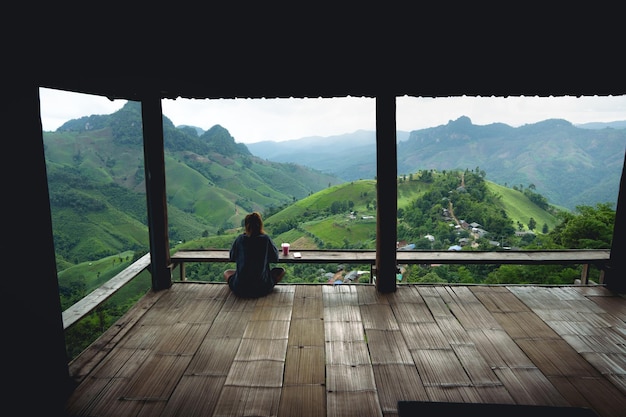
[36, 361]
[584, 275]
[615, 273]
[386, 193]
[154, 160]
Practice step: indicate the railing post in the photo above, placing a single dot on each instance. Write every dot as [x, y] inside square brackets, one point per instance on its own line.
[584, 275]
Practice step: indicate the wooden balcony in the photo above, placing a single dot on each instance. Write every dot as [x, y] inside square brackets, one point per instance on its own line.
[349, 350]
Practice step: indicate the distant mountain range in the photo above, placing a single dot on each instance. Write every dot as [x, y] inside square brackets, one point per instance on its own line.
[570, 165]
[95, 172]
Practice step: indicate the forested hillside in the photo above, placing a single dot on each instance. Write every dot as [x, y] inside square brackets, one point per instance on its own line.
[451, 210]
[569, 165]
[97, 192]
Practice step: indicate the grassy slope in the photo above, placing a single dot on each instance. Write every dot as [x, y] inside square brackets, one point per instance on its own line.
[196, 204]
[334, 229]
[519, 208]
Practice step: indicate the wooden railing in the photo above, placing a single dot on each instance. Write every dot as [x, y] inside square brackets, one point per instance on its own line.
[585, 257]
[104, 292]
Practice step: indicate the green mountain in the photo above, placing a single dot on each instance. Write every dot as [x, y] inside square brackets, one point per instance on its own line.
[96, 181]
[96, 173]
[569, 165]
[344, 216]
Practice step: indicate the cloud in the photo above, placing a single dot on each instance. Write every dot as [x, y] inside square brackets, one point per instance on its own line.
[58, 107]
[255, 120]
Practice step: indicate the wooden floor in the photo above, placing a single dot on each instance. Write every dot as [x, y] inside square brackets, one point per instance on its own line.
[346, 350]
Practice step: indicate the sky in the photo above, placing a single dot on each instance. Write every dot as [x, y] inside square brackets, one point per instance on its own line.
[256, 120]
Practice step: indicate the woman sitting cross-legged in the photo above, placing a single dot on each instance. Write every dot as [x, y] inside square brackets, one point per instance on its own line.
[253, 251]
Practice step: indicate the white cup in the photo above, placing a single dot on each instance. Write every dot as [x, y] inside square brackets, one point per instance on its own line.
[285, 247]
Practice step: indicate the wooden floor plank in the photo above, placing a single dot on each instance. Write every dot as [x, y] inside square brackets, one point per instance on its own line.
[388, 347]
[214, 357]
[405, 294]
[305, 365]
[268, 329]
[260, 373]
[475, 366]
[80, 366]
[613, 303]
[304, 385]
[366, 296]
[231, 324]
[598, 394]
[261, 350]
[570, 390]
[499, 350]
[85, 395]
[322, 350]
[353, 404]
[237, 401]
[453, 393]
[498, 299]
[306, 332]
[398, 382]
[411, 312]
[528, 386]
[609, 365]
[163, 372]
[423, 336]
[469, 311]
[340, 312]
[524, 324]
[352, 378]
[438, 307]
[452, 329]
[195, 396]
[494, 394]
[344, 331]
[347, 380]
[351, 353]
[303, 400]
[182, 338]
[113, 403]
[307, 306]
[440, 367]
[378, 316]
[548, 346]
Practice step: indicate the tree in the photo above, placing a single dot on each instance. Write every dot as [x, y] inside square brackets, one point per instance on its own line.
[589, 228]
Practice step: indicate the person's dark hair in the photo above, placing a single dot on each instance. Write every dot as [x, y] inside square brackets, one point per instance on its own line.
[254, 224]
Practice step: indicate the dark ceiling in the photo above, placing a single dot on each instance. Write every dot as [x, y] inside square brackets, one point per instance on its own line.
[261, 50]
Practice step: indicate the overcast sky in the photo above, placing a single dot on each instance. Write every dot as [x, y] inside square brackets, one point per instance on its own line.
[255, 120]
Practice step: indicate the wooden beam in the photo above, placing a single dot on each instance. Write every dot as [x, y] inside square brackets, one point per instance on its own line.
[386, 193]
[37, 356]
[598, 257]
[154, 160]
[615, 274]
[104, 292]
